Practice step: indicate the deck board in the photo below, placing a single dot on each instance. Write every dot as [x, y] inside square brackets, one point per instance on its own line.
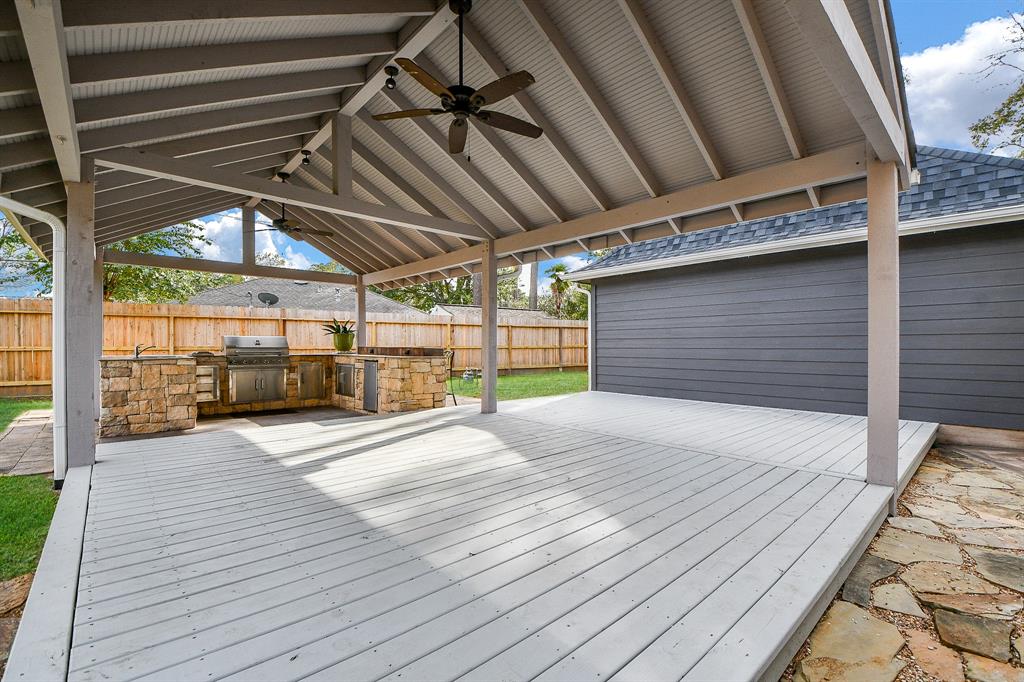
[583, 536]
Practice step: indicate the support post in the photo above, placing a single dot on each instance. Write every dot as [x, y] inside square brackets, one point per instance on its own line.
[341, 154]
[360, 313]
[97, 312]
[883, 325]
[82, 301]
[489, 329]
[248, 235]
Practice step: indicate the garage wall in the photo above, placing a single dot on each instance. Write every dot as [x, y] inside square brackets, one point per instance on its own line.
[790, 330]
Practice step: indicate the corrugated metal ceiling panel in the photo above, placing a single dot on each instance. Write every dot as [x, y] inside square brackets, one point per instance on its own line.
[822, 117]
[128, 38]
[120, 87]
[714, 62]
[513, 38]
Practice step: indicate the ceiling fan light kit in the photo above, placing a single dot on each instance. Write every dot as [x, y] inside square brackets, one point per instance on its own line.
[463, 101]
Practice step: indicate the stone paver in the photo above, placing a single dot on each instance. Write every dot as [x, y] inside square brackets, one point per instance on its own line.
[851, 644]
[14, 592]
[985, 636]
[895, 597]
[906, 548]
[1000, 606]
[981, 669]
[27, 445]
[1001, 568]
[1001, 538]
[970, 478]
[911, 523]
[945, 579]
[951, 515]
[869, 570]
[935, 659]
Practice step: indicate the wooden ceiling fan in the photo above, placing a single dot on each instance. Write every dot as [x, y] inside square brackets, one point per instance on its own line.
[291, 227]
[463, 101]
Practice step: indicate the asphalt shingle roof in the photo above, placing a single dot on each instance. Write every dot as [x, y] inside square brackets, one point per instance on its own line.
[952, 182]
[302, 295]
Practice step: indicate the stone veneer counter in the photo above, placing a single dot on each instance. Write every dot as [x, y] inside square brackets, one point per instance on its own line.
[404, 382]
[147, 395]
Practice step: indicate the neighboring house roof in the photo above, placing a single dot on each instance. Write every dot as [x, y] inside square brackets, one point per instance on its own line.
[302, 295]
[472, 313]
[952, 183]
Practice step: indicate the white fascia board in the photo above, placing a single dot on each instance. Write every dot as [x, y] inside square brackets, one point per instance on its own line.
[907, 227]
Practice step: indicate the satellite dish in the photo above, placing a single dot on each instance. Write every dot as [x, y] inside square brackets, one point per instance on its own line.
[267, 298]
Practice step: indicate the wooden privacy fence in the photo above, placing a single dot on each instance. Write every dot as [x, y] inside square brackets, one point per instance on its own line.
[181, 329]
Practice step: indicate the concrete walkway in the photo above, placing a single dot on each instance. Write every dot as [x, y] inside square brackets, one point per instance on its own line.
[26, 447]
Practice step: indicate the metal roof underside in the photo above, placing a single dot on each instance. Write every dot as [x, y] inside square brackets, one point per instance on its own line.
[638, 99]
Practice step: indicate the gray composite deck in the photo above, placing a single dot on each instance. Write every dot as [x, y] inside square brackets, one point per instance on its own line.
[584, 537]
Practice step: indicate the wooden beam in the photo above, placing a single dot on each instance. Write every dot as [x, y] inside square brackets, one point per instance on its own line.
[80, 325]
[833, 166]
[162, 222]
[341, 154]
[829, 30]
[43, 30]
[16, 79]
[489, 330]
[414, 37]
[221, 92]
[331, 249]
[100, 13]
[97, 68]
[216, 178]
[21, 121]
[360, 314]
[223, 267]
[880, 22]
[883, 325]
[248, 235]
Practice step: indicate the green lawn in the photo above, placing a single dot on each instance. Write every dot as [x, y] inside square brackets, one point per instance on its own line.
[528, 385]
[12, 407]
[26, 507]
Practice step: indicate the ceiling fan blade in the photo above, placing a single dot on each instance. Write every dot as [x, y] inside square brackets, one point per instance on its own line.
[408, 113]
[457, 136]
[315, 233]
[291, 224]
[424, 78]
[496, 119]
[495, 91]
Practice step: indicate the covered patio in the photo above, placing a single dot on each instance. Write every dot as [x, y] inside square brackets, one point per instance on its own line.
[598, 535]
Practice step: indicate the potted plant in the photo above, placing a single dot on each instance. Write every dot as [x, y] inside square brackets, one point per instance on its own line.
[343, 334]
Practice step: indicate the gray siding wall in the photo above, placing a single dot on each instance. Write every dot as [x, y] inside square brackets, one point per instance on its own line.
[790, 330]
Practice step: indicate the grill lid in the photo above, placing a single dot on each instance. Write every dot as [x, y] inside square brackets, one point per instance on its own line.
[255, 345]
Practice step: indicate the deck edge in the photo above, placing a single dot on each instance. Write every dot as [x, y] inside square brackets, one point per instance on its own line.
[42, 645]
[784, 656]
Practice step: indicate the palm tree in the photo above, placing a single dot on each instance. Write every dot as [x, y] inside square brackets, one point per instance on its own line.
[559, 286]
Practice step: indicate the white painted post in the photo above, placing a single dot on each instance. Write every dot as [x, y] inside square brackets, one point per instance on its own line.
[80, 329]
[341, 153]
[248, 235]
[883, 325]
[489, 330]
[97, 274]
[360, 313]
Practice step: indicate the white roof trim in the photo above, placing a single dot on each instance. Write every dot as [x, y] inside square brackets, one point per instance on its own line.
[907, 227]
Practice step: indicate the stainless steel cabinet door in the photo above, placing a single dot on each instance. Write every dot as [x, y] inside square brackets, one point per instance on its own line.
[311, 380]
[272, 384]
[243, 385]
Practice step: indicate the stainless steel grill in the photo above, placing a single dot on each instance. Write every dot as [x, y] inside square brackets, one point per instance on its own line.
[259, 351]
[257, 368]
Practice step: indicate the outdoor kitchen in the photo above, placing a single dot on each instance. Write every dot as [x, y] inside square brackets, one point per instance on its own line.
[146, 394]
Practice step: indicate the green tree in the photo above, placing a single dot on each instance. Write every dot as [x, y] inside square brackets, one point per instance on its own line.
[1006, 123]
[458, 291]
[121, 282]
[331, 266]
[559, 286]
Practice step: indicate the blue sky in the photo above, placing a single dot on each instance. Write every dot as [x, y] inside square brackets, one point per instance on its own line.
[943, 43]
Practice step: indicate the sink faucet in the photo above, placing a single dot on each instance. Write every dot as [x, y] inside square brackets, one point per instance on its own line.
[139, 350]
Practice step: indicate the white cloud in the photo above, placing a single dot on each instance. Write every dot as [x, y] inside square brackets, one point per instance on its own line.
[947, 90]
[225, 233]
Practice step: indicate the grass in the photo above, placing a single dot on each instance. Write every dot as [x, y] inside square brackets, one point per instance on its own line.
[26, 507]
[527, 385]
[10, 408]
